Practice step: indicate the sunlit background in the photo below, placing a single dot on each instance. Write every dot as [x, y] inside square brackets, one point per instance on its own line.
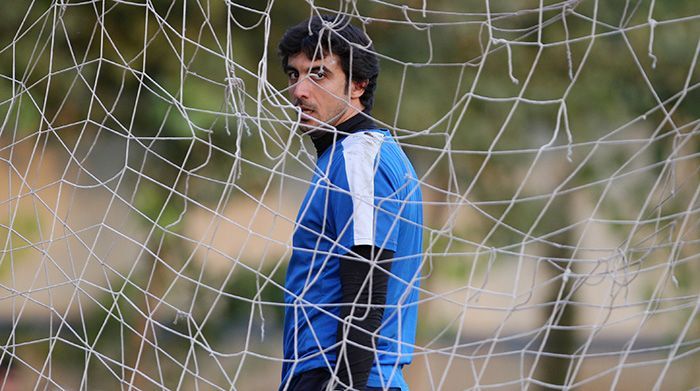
[151, 174]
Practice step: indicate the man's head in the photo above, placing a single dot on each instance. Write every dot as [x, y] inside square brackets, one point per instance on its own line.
[331, 68]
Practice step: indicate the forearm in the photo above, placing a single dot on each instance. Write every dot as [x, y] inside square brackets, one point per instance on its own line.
[363, 308]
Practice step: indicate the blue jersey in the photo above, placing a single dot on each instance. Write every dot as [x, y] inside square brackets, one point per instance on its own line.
[364, 192]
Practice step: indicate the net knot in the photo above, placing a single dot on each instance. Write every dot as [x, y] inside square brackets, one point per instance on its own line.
[653, 22]
[181, 315]
[235, 82]
[567, 274]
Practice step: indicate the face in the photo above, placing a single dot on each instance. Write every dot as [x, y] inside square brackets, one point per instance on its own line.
[320, 89]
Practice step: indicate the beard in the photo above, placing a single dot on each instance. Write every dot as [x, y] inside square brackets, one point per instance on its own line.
[311, 124]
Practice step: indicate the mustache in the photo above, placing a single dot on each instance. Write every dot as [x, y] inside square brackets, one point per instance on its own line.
[304, 106]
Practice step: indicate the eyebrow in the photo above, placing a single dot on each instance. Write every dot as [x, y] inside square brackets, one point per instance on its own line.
[315, 69]
[319, 68]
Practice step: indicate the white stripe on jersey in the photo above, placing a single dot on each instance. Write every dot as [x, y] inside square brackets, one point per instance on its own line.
[360, 150]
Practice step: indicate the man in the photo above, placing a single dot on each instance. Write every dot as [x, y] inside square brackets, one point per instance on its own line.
[352, 280]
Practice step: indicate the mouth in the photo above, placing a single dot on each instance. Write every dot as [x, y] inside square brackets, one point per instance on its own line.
[306, 113]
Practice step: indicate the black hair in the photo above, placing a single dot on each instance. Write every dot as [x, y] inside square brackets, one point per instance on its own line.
[335, 34]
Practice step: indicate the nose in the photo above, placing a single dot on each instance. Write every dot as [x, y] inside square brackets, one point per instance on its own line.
[300, 89]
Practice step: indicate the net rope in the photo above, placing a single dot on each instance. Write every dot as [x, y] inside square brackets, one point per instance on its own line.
[153, 167]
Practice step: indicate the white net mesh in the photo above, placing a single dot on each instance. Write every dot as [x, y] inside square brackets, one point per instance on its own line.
[152, 172]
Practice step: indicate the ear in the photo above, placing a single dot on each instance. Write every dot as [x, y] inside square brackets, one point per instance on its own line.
[358, 88]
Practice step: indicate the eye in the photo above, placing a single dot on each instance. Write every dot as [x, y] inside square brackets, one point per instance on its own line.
[318, 75]
[292, 75]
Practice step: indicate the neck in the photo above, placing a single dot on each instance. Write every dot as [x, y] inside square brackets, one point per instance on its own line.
[354, 108]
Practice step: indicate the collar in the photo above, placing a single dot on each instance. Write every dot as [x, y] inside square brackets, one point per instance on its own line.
[359, 121]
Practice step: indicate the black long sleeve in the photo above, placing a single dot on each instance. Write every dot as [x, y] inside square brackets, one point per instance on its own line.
[362, 305]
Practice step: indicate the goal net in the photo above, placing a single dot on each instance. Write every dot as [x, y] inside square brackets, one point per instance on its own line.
[152, 170]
